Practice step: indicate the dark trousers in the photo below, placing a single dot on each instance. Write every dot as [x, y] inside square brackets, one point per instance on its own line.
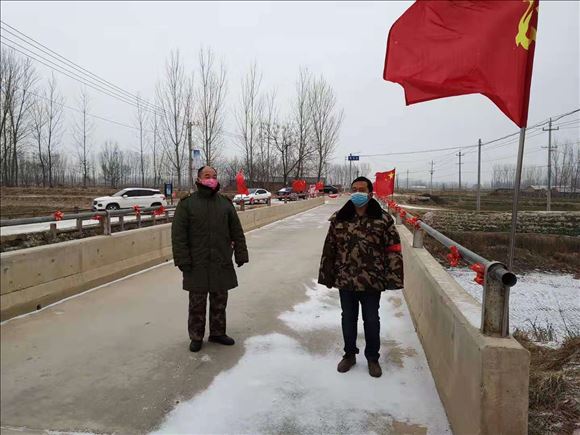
[369, 301]
[197, 312]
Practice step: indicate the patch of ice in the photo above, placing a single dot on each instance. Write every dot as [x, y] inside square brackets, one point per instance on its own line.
[537, 297]
[279, 387]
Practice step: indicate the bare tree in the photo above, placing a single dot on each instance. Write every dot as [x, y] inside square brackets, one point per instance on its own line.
[326, 121]
[141, 122]
[155, 152]
[38, 133]
[175, 98]
[303, 120]
[83, 129]
[54, 124]
[112, 163]
[248, 118]
[210, 96]
[265, 153]
[18, 78]
[285, 140]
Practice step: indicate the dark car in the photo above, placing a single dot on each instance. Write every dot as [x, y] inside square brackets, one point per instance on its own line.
[286, 192]
[329, 189]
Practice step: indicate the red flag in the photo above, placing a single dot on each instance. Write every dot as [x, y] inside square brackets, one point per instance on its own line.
[241, 184]
[299, 186]
[445, 48]
[385, 183]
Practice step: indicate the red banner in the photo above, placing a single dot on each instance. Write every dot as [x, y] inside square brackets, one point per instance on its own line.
[299, 186]
[241, 183]
[384, 184]
[320, 186]
[439, 49]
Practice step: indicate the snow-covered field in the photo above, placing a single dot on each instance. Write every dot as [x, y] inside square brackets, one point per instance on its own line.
[540, 298]
[288, 383]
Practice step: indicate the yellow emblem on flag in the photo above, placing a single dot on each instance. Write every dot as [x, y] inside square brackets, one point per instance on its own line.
[524, 27]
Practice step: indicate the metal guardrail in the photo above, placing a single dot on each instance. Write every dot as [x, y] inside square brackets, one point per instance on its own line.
[497, 279]
[104, 217]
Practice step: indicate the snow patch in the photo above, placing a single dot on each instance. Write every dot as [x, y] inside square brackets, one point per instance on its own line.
[537, 297]
[279, 387]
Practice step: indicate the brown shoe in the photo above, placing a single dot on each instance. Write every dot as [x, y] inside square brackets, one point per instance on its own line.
[346, 363]
[375, 369]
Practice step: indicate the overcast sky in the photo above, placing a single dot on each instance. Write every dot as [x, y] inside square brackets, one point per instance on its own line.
[127, 43]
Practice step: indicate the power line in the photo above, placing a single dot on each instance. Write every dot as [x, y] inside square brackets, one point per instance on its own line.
[53, 54]
[89, 114]
[66, 73]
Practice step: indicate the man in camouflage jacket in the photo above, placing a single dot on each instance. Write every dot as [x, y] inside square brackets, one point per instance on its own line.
[361, 257]
[205, 234]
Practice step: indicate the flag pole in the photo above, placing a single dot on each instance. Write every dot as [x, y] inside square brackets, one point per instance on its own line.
[516, 197]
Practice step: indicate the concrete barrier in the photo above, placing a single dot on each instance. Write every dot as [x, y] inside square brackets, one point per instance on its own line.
[482, 381]
[35, 277]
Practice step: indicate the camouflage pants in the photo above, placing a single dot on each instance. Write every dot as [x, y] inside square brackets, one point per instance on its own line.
[197, 314]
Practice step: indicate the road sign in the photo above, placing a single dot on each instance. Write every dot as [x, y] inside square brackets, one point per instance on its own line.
[353, 158]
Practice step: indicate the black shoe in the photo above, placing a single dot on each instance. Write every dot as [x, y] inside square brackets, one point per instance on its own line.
[346, 363]
[195, 345]
[375, 369]
[222, 339]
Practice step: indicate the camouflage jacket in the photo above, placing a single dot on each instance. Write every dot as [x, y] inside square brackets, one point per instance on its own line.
[362, 252]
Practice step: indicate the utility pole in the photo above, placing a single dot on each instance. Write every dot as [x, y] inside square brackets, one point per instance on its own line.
[460, 154]
[478, 205]
[431, 183]
[190, 146]
[407, 179]
[550, 148]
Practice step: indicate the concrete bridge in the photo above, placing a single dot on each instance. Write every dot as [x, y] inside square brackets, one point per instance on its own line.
[114, 356]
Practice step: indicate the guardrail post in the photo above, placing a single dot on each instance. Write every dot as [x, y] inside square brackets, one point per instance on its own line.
[495, 303]
[286, 199]
[398, 219]
[269, 202]
[80, 225]
[53, 230]
[418, 238]
[242, 205]
[154, 218]
[138, 220]
[122, 222]
[107, 220]
[166, 216]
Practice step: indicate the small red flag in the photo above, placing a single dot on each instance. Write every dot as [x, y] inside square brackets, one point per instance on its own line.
[241, 184]
[444, 48]
[299, 186]
[385, 183]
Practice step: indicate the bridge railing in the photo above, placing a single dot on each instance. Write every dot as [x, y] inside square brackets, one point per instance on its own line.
[493, 275]
[105, 218]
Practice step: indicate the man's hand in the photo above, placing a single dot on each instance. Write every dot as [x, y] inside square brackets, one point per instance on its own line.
[185, 268]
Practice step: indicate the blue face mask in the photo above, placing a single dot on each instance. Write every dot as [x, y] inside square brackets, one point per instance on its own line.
[359, 199]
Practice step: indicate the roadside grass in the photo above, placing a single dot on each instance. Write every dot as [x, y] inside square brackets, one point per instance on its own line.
[554, 389]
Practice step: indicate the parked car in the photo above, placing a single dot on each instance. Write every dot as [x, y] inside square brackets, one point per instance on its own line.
[130, 197]
[289, 194]
[284, 192]
[254, 196]
[329, 189]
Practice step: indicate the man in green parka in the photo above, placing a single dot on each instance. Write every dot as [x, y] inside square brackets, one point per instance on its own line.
[205, 233]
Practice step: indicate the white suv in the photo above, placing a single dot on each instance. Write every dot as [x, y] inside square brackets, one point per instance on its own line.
[255, 195]
[130, 197]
